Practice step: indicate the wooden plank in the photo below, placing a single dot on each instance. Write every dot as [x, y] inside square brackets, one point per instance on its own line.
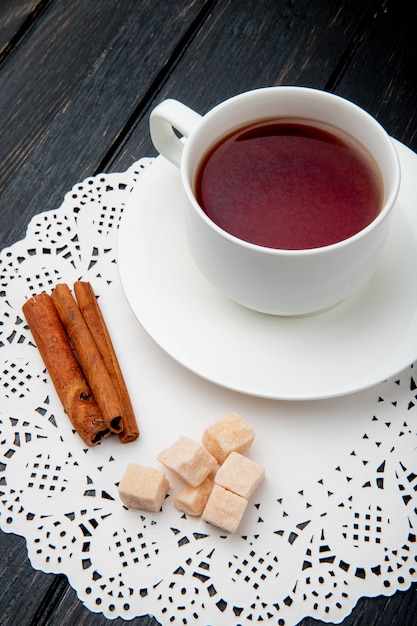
[245, 45]
[70, 89]
[15, 18]
[19, 581]
[353, 49]
[381, 76]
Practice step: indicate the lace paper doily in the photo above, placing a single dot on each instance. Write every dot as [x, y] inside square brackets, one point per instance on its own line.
[334, 520]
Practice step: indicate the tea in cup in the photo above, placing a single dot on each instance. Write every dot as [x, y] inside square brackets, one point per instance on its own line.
[288, 194]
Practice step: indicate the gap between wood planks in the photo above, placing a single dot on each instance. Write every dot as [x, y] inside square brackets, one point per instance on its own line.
[374, 9]
[27, 25]
[155, 87]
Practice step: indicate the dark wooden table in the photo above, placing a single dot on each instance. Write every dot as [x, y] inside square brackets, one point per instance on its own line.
[77, 82]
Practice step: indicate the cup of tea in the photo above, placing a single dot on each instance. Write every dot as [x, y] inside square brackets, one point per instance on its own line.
[288, 194]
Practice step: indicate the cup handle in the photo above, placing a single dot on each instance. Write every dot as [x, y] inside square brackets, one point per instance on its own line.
[165, 119]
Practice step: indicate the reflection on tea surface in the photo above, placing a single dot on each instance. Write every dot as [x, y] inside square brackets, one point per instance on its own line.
[289, 184]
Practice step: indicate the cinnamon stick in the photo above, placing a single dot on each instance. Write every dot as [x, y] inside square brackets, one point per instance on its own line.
[94, 319]
[64, 370]
[88, 357]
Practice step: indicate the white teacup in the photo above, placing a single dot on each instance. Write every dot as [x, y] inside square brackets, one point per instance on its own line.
[269, 279]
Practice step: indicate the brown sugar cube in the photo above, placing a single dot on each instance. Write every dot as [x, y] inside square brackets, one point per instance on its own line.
[228, 434]
[188, 460]
[240, 475]
[192, 500]
[224, 509]
[143, 488]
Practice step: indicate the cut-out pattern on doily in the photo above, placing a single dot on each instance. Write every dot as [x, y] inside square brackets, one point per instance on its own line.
[309, 548]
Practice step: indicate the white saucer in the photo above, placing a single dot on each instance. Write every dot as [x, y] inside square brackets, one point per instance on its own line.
[357, 344]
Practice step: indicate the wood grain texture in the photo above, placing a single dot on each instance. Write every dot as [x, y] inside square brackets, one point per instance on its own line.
[77, 82]
[22, 588]
[69, 90]
[327, 45]
[381, 73]
[244, 45]
[15, 20]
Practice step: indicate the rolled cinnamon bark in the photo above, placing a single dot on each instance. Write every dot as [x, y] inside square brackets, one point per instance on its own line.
[88, 357]
[69, 381]
[94, 319]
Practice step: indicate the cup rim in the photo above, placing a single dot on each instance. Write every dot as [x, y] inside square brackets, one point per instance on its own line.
[389, 201]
